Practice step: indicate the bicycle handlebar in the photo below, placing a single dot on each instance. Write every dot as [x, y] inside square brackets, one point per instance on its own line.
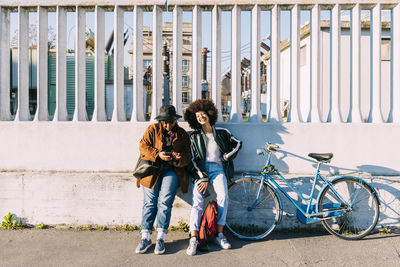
[271, 147]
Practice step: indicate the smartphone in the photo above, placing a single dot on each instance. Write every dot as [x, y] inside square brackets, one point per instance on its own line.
[168, 154]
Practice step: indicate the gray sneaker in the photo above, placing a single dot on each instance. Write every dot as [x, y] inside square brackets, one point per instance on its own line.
[192, 249]
[143, 246]
[160, 248]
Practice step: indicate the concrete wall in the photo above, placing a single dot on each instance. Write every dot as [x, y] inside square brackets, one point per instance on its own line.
[80, 172]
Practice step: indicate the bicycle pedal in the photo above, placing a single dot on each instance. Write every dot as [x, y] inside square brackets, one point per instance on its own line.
[290, 214]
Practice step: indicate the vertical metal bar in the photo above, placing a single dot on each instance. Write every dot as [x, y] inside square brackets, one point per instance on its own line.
[335, 109]
[236, 113]
[356, 64]
[294, 114]
[275, 114]
[23, 66]
[119, 108]
[5, 64]
[99, 112]
[177, 59]
[396, 63]
[157, 67]
[42, 112]
[60, 113]
[216, 59]
[376, 114]
[315, 115]
[138, 90]
[80, 65]
[255, 113]
[196, 54]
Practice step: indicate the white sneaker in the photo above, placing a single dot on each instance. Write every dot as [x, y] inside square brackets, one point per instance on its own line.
[221, 240]
[192, 249]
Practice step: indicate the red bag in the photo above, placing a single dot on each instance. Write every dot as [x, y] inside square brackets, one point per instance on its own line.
[208, 226]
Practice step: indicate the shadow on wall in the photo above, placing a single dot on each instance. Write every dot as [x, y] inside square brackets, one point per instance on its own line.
[254, 136]
[249, 134]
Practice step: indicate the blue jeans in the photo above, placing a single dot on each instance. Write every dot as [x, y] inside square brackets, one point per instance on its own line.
[158, 201]
[217, 178]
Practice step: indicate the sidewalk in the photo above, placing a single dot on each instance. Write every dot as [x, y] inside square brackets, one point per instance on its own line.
[54, 247]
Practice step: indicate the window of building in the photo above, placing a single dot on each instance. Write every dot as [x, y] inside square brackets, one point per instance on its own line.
[185, 64]
[185, 81]
[146, 63]
[185, 97]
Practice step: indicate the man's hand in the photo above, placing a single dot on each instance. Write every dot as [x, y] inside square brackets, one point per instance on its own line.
[164, 156]
[202, 187]
[176, 155]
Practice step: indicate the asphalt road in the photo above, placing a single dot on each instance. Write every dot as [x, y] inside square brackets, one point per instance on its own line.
[55, 247]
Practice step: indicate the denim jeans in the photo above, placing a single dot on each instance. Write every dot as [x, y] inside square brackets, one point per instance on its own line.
[217, 178]
[158, 201]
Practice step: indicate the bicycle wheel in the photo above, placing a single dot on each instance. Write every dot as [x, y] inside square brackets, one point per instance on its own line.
[249, 218]
[363, 215]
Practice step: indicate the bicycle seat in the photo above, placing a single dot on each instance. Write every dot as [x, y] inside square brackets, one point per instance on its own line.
[323, 157]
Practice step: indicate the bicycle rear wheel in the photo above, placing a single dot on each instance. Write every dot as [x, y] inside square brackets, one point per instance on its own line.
[363, 215]
[250, 218]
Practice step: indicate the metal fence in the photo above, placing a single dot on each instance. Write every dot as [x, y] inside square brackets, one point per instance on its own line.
[274, 111]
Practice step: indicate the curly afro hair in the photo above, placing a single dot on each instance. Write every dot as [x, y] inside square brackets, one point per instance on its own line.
[206, 105]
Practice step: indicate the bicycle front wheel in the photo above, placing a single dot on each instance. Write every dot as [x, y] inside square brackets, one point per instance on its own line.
[249, 217]
[363, 215]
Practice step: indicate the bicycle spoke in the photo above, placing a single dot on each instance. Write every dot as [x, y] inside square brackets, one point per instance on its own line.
[358, 221]
[258, 221]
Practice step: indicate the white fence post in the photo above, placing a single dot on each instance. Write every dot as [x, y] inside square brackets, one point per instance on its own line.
[138, 93]
[356, 64]
[80, 113]
[42, 112]
[316, 64]
[119, 109]
[396, 63]
[60, 113]
[196, 54]
[99, 112]
[236, 113]
[23, 66]
[5, 64]
[216, 59]
[376, 113]
[255, 113]
[275, 114]
[335, 110]
[294, 114]
[177, 59]
[156, 95]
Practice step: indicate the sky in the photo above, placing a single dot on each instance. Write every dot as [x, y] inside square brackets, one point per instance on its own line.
[226, 29]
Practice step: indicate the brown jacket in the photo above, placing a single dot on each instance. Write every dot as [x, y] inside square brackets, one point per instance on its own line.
[151, 144]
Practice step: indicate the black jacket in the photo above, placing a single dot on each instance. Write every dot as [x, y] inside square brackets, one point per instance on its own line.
[228, 145]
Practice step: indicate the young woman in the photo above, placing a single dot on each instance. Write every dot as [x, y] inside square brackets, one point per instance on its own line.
[213, 151]
[167, 143]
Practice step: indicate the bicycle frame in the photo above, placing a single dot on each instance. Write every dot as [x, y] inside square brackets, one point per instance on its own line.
[310, 211]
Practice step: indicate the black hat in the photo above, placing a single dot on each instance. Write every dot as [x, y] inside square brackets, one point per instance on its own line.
[168, 113]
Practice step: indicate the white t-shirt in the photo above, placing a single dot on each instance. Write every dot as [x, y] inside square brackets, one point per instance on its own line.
[213, 154]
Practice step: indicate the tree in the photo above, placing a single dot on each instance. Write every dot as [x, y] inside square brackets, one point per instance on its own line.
[32, 36]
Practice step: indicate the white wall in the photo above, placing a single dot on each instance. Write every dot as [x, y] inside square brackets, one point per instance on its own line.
[80, 172]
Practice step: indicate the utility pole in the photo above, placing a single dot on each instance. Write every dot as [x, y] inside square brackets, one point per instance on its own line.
[165, 58]
[204, 83]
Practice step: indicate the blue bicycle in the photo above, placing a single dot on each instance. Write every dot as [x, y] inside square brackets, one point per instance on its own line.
[347, 206]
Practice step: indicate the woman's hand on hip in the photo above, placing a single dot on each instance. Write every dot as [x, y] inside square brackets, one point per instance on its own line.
[202, 187]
